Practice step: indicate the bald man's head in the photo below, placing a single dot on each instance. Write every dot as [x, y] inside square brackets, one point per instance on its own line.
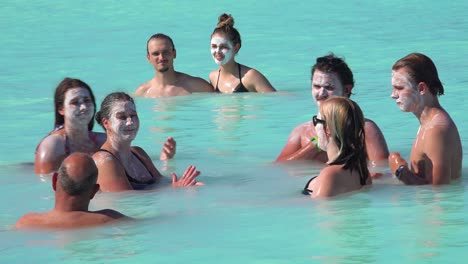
[77, 174]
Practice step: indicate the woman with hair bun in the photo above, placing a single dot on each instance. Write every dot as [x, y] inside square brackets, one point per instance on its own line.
[233, 77]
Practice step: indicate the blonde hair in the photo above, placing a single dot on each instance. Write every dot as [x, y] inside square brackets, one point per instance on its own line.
[345, 121]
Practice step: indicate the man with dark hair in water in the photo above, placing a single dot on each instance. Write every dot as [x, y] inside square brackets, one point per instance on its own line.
[331, 76]
[160, 52]
[74, 185]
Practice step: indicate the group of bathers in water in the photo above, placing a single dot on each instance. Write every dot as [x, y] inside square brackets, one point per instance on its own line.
[136, 184]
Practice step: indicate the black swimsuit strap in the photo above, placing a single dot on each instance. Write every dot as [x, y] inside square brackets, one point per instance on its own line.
[242, 89]
[306, 190]
[112, 154]
[240, 77]
[216, 88]
[131, 179]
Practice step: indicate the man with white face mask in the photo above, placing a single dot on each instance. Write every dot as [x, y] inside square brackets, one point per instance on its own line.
[436, 155]
[331, 76]
[168, 82]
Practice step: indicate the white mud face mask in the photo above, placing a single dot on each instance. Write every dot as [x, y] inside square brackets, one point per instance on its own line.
[221, 50]
[408, 98]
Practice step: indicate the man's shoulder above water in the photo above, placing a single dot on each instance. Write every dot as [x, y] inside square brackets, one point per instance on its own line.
[142, 90]
[154, 88]
[185, 84]
[193, 84]
[68, 220]
[437, 151]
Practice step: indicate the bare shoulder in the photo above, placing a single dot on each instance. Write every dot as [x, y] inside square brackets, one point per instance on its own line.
[213, 74]
[330, 173]
[326, 182]
[107, 163]
[49, 154]
[305, 129]
[28, 220]
[194, 84]
[371, 127]
[143, 88]
[375, 140]
[102, 156]
[250, 74]
[111, 172]
[441, 127]
[52, 142]
[442, 120]
[255, 80]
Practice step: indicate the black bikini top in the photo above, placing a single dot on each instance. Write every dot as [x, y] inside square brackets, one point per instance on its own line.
[240, 88]
[136, 184]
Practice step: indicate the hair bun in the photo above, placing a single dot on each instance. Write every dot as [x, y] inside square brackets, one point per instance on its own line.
[225, 20]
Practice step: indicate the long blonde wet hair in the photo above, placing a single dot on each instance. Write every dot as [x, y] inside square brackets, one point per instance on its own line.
[345, 123]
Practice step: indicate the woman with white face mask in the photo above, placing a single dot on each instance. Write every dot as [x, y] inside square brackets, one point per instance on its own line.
[233, 77]
[123, 166]
[75, 107]
[340, 130]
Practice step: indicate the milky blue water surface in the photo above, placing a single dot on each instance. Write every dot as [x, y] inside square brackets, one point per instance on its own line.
[250, 210]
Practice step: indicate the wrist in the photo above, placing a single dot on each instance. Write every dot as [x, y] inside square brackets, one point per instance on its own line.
[399, 171]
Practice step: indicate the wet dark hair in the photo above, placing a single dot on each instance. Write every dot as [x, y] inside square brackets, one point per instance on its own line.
[226, 26]
[159, 36]
[331, 63]
[421, 69]
[106, 105]
[59, 98]
[76, 188]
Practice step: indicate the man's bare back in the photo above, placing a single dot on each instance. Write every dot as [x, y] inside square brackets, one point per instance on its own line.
[68, 220]
[75, 185]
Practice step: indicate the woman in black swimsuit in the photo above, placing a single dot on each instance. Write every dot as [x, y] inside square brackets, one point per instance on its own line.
[122, 166]
[340, 130]
[233, 77]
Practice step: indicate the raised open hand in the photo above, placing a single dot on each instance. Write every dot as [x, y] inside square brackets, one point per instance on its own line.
[169, 149]
[187, 179]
